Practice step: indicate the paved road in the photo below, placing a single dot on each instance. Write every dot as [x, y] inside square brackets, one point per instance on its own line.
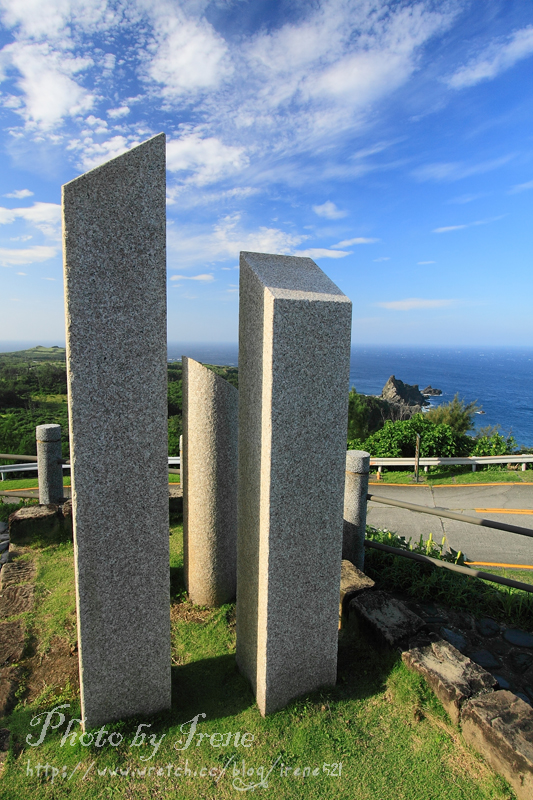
[478, 544]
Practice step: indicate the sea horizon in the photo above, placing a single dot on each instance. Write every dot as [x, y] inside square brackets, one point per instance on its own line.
[498, 377]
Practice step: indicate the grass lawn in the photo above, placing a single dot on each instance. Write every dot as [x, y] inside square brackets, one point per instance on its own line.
[31, 483]
[458, 475]
[379, 734]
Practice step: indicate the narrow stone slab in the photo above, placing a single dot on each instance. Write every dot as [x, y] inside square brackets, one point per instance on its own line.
[500, 727]
[452, 676]
[210, 424]
[49, 464]
[294, 353]
[115, 297]
[387, 616]
[353, 581]
[16, 600]
[355, 492]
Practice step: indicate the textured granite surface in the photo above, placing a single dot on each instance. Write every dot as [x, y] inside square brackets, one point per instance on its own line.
[209, 474]
[49, 466]
[294, 351]
[115, 297]
[355, 492]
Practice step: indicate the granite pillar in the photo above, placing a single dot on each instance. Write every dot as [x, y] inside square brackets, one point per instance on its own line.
[49, 467]
[294, 358]
[210, 419]
[115, 297]
[355, 492]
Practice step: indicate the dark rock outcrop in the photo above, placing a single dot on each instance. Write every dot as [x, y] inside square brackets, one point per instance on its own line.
[396, 391]
[429, 391]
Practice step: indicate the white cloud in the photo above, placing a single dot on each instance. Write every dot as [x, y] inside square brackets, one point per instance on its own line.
[30, 255]
[92, 153]
[329, 210]
[357, 240]
[425, 262]
[204, 278]
[19, 194]
[520, 187]
[448, 228]
[454, 171]
[320, 252]
[499, 56]
[412, 303]
[44, 216]
[49, 91]
[225, 240]
[206, 159]
[116, 113]
[188, 55]
[383, 258]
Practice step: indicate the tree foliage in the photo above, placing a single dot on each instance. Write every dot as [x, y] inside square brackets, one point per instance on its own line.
[398, 439]
[457, 414]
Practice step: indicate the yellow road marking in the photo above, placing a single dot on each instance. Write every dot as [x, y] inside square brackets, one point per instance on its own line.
[491, 564]
[504, 510]
[447, 485]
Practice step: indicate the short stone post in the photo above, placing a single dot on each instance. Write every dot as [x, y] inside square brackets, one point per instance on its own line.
[294, 364]
[210, 419]
[355, 492]
[49, 467]
[115, 298]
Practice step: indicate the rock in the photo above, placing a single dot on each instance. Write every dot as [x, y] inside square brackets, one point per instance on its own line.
[500, 727]
[388, 617]
[353, 581]
[12, 640]
[429, 391]
[5, 557]
[4, 537]
[34, 523]
[485, 659]
[16, 600]
[503, 683]
[487, 626]
[4, 546]
[396, 391]
[518, 638]
[523, 697]
[520, 661]
[15, 573]
[3, 526]
[452, 676]
[8, 686]
[455, 638]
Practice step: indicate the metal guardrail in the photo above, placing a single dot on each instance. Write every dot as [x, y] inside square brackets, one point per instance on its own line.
[471, 573]
[30, 464]
[443, 512]
[435, 461]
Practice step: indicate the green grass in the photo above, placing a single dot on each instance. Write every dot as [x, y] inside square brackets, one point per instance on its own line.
[380, 722]
[444, 475]
[424, 582]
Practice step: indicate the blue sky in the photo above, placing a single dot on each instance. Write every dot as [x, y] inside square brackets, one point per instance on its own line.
[392, 142]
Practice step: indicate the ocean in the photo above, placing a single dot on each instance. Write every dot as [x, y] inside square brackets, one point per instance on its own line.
[499, 379]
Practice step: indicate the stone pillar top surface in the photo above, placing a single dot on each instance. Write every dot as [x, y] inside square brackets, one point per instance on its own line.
[357, 461]
[48, 433]
[293, 277]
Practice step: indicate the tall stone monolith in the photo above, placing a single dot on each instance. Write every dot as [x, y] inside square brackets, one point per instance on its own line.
[294, 359]
[115, 295]
[209, 472]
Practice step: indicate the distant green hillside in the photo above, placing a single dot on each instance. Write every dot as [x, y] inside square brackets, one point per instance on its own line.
[35, 354]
